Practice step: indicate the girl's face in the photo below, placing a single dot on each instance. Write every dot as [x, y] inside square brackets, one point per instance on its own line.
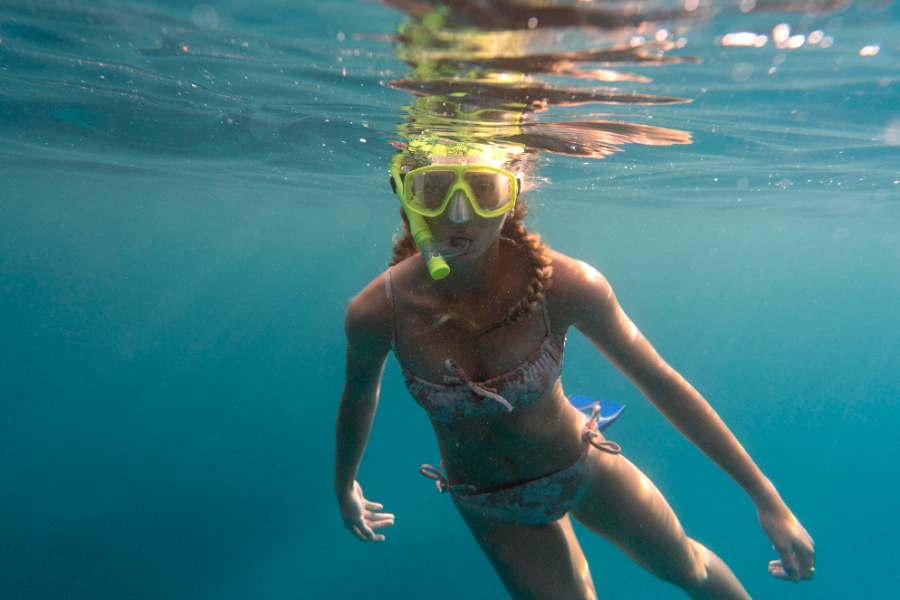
[464, 234]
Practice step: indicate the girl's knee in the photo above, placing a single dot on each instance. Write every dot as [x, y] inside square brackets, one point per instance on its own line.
[692, 570]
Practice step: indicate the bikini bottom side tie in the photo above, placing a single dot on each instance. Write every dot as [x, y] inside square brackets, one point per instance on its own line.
[591, 434]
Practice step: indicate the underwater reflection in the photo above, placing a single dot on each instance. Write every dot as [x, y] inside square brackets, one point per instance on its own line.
[521, 14]
[478, 73]
[484, 71]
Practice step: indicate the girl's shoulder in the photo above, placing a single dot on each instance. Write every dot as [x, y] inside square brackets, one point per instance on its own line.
[575, 284]
[574, 276]
[369, 314]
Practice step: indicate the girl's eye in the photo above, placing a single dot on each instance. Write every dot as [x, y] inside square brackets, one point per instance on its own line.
[483, 186]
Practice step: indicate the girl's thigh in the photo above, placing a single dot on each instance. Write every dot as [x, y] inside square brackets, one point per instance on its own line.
[535, 562]
[621, 503]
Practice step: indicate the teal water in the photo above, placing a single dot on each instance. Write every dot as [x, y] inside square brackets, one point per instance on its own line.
[176, 254]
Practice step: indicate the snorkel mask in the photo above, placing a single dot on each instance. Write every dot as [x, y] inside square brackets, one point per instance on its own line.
[425, 190]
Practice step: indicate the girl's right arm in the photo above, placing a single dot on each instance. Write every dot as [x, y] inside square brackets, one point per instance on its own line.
[368, 332]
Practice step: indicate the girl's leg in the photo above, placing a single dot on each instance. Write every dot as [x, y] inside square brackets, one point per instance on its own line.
[534, 562]
[620, 503]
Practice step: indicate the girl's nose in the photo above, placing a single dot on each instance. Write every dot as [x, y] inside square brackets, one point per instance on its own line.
[459, 211]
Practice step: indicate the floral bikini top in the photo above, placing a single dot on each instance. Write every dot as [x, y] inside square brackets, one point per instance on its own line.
[458, 396]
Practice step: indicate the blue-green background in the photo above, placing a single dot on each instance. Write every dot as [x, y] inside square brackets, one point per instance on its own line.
[175, 262]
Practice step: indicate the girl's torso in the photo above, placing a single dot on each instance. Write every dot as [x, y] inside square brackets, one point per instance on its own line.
[494, 399]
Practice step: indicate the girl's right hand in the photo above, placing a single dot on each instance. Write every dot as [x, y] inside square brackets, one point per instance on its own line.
[792, 542]
[360, 516]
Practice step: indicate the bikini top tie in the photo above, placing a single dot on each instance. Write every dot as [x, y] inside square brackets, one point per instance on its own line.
[458, 376]
[457, 396]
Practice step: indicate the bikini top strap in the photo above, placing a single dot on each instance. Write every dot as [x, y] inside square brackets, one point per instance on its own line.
[389, 292]
[546, 313]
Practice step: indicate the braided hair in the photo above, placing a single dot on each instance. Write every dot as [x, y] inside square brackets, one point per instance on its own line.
[514, 229]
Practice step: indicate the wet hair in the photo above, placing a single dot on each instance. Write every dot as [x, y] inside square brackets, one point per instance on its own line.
[514, 230]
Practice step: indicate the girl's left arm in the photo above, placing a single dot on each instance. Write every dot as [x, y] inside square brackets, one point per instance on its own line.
[597, 314]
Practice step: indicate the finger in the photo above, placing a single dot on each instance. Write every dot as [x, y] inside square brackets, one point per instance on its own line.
[365, 533]
[777, 570]
[380, 524]
[779, 573]
[359, 533]
[379, 516]
[374, 505]
[792, 565]
[807, 546]
[371, 535]
[806, 562]
[789, 561]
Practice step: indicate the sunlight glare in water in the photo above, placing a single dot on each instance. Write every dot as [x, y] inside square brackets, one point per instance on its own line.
[870, 50]
[781, 33]
[744, 38]
[892, 133]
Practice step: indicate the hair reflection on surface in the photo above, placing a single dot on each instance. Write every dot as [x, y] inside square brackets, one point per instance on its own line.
[476, 73]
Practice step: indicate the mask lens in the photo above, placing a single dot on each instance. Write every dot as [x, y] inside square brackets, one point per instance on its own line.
[429, 188]
[491, 190]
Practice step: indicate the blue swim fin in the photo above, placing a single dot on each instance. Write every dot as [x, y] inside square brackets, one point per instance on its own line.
[609, 410]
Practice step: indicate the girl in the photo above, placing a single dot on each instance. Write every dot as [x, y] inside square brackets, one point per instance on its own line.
[481, 351]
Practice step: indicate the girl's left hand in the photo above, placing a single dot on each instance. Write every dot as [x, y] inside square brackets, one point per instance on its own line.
[791, 541]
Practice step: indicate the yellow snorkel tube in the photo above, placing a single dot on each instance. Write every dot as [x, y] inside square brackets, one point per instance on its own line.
[434, 261]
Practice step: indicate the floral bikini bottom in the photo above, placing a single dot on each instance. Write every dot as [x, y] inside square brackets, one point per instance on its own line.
[535, 502]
